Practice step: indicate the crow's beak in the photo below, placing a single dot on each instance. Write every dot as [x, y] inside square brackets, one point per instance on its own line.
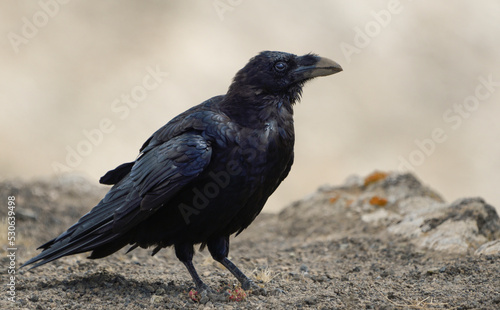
[313, 66]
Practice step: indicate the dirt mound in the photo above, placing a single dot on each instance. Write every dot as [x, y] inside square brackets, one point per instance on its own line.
[380, 242]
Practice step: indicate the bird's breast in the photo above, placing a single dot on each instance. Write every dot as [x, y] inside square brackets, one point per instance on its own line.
[266, 146]
[262, 151]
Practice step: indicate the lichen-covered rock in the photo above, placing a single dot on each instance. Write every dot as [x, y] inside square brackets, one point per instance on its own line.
[456, 228]
[400, 204]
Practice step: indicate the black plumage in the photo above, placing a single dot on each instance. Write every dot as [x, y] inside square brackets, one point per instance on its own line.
[203, 176]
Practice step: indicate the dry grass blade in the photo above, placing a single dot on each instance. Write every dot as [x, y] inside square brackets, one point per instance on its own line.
[416, 304]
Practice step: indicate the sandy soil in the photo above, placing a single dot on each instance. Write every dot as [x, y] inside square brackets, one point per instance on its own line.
[347, 264]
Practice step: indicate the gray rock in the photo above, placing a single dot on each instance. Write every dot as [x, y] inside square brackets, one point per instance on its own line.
[404, 207]
[489, 248]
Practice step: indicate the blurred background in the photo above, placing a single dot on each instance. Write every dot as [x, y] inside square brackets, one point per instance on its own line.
[84, 83]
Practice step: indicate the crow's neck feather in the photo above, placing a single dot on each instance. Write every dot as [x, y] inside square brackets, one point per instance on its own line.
[255, 109]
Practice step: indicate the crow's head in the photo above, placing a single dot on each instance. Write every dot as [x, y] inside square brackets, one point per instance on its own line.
[282, 74]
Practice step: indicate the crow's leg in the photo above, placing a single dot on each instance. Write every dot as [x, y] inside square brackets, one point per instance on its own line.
[184, 253]
[219, 248]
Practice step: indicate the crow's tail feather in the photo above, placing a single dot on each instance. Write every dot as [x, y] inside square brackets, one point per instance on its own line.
[94, 231]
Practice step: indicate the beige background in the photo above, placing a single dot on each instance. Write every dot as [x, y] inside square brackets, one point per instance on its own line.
[64, 64]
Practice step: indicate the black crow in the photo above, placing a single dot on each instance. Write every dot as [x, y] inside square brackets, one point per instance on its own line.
[203, 176]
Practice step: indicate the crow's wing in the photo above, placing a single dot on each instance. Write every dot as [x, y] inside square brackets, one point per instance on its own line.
[155, 177]
[160, 173]
[198, 118]
[114, 176]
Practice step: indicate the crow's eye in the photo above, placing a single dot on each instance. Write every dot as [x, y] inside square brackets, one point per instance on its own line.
[280, 66]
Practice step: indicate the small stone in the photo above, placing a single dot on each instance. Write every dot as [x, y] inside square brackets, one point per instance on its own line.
[311, 300]
[204, 299]
[160, 291]
[295, 276]
[304, 268]
[434, 270]
[155, 299]
[34, 298]
[26, 214]
[277, 291]
[206, 273]
[320, 278]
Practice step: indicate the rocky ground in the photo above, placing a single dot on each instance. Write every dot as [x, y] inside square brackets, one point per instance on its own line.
[380, 242]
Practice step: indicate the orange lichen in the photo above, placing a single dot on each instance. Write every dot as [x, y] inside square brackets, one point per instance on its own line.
[374, 177]
[334, 198]
[378, 201]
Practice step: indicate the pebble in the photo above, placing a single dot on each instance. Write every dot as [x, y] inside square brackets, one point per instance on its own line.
[311, 300]
[304, 268]
[436, 270]
[34, 298]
